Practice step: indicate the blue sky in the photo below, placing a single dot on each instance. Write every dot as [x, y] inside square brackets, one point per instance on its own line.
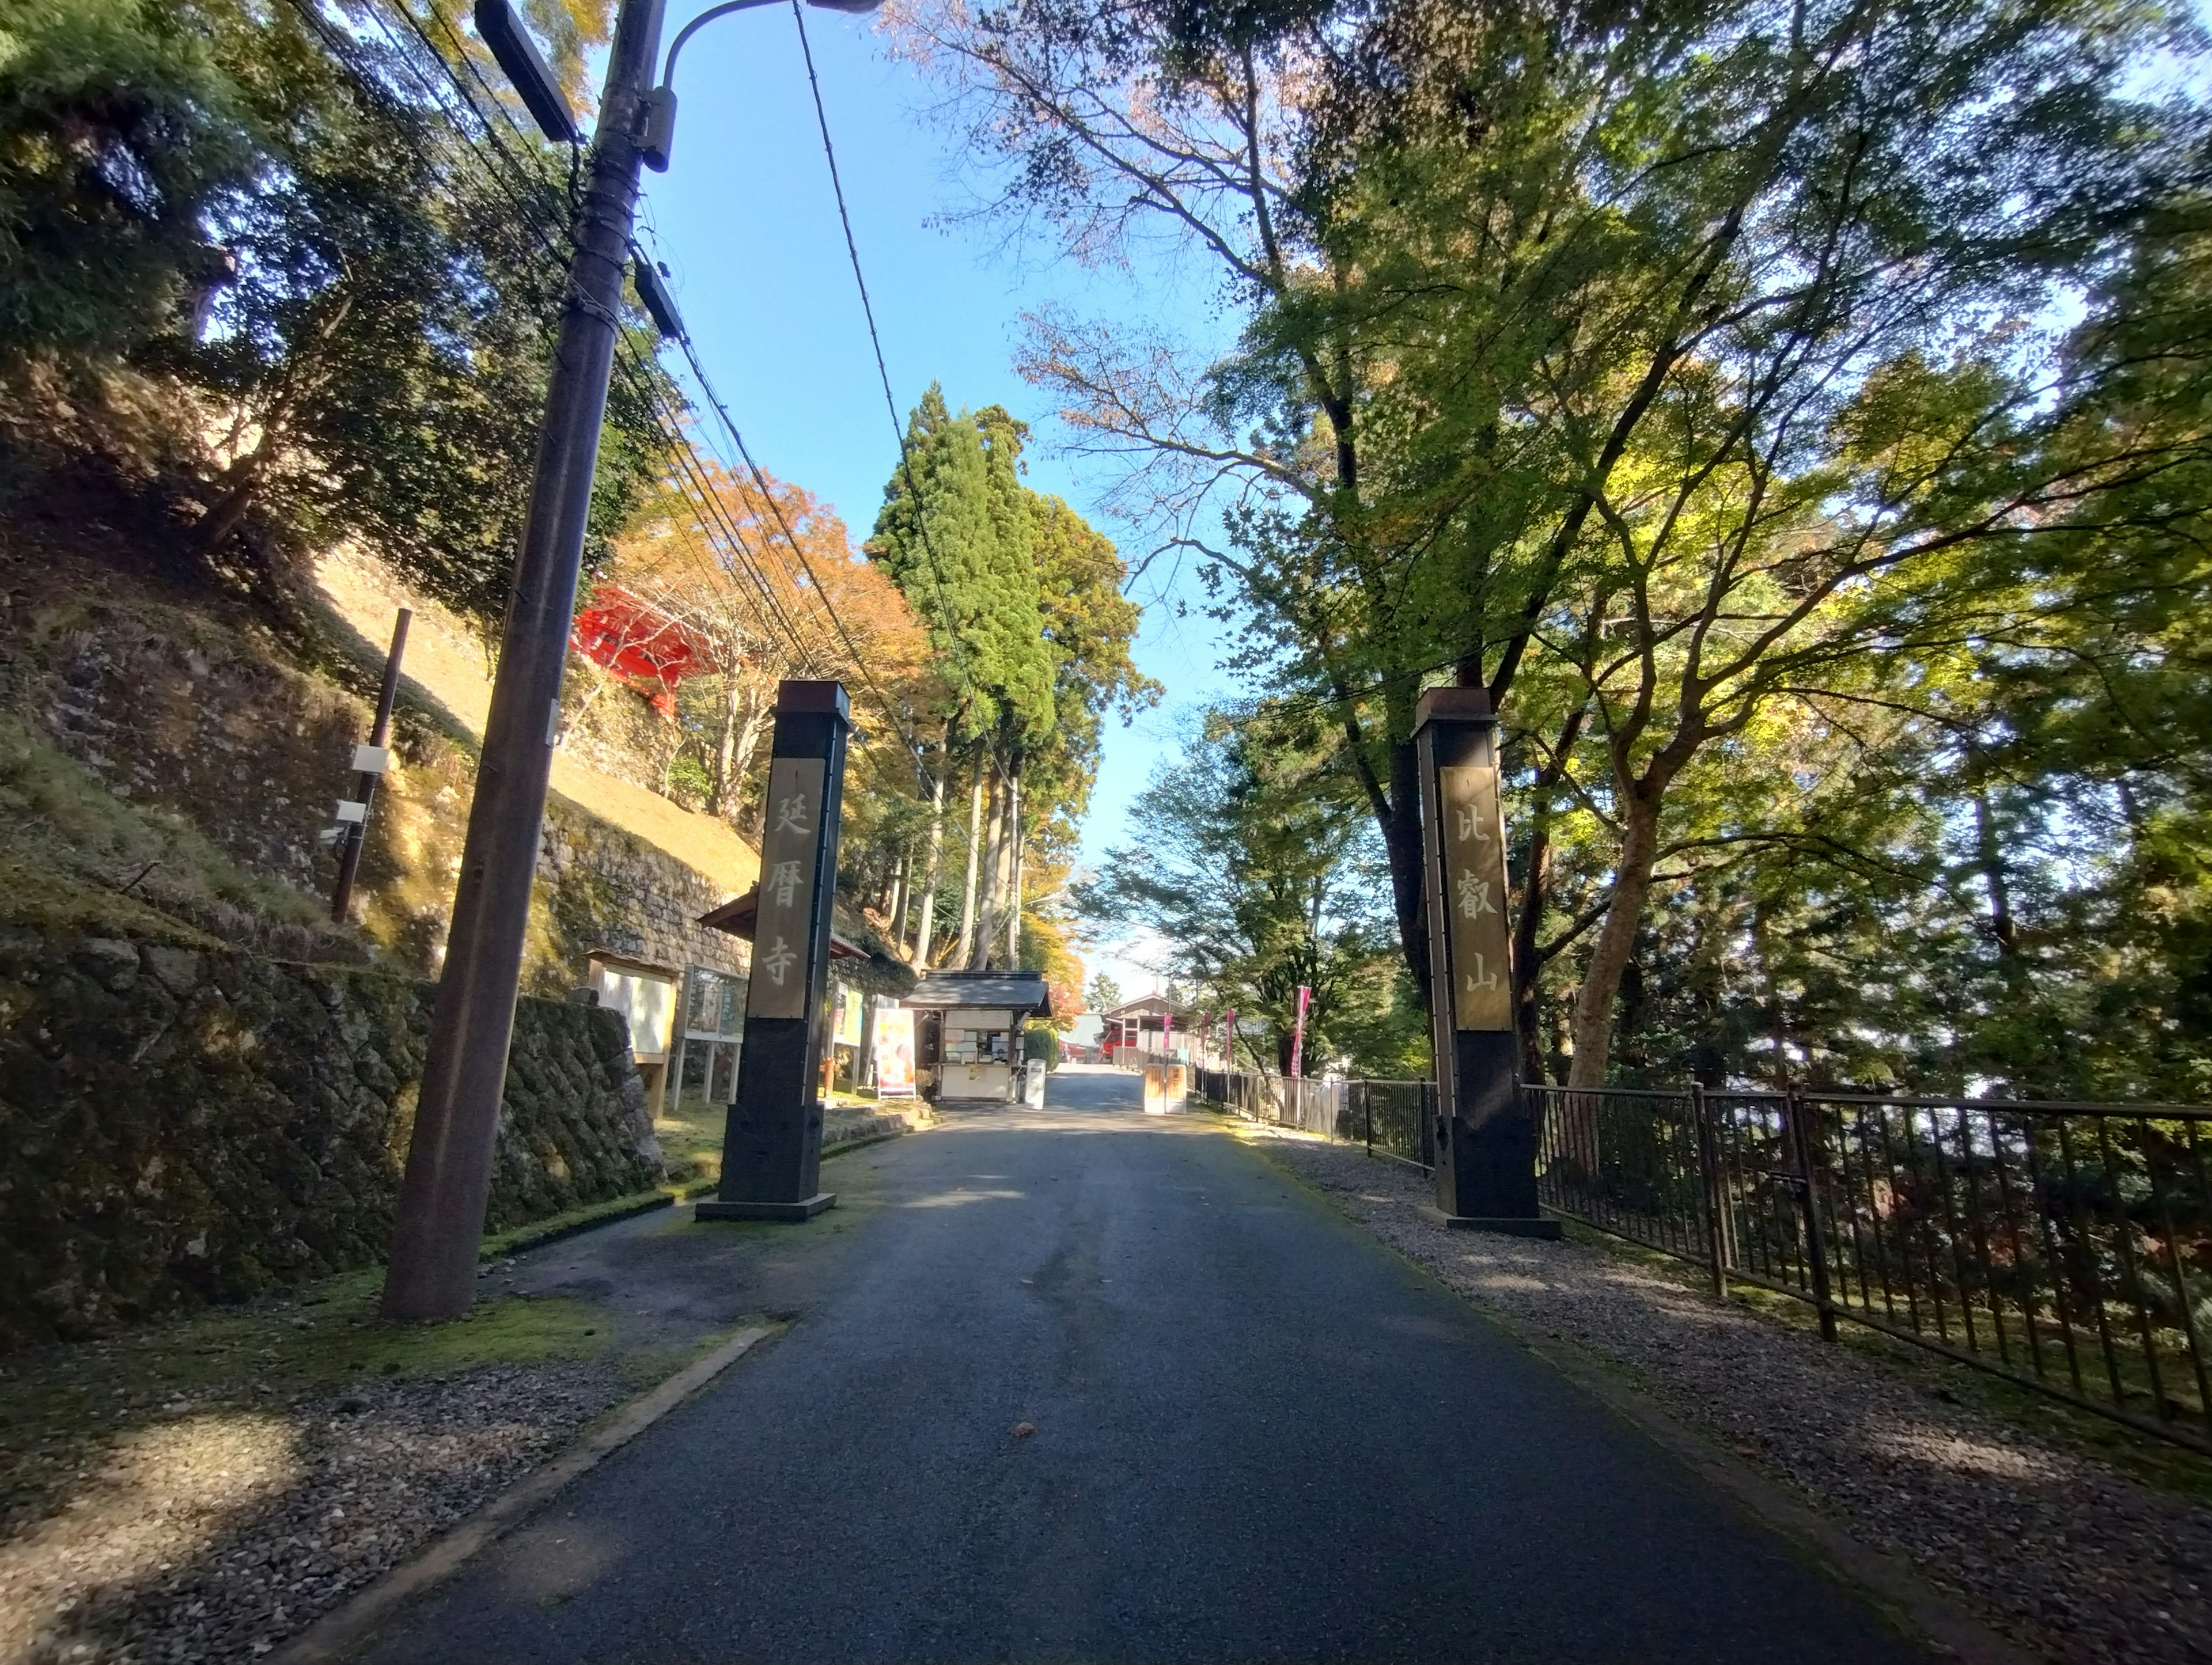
[746, 222]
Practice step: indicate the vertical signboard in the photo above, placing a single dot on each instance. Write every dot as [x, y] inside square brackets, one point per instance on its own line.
[895, 1054]
[1474, 886]
[1484, 1135]
[772, 1141]
[783, 926]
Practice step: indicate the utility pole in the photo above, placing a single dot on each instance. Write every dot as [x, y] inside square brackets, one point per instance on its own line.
[441, 1200]
[377, 760]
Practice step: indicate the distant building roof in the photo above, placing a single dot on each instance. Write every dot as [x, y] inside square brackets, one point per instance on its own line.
[1145, 1006]
[1012, 991]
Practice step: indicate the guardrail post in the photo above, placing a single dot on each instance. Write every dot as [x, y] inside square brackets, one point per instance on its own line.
[1709, 1166]
[1816, 1236]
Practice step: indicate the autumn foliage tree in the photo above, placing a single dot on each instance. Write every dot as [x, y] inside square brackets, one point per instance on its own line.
[770, 582]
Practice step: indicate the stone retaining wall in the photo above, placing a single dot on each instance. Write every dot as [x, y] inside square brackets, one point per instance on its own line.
[187, 1125]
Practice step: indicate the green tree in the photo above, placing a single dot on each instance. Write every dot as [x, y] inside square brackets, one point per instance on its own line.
[1646, 369]
[119, 136]
[1261, 871]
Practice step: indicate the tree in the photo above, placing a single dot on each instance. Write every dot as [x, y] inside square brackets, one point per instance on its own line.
[1256, 866]
[1032, 635]
[290, 220]
[713, 551]
[119, 137]
[1670, 361]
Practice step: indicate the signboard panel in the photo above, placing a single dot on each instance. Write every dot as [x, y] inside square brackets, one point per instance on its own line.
[783, 925]
[1475, 885]
[895, 1053]
[847, 1033]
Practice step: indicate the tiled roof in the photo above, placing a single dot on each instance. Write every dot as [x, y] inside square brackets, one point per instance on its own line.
[1014, 991]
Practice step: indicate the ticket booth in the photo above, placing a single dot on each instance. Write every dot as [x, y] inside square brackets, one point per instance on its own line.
[968, 1033]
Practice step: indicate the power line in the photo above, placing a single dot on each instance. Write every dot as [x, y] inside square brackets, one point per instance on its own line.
[883, 374]
[516, 183]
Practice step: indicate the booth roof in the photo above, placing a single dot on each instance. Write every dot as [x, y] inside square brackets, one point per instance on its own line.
[1009, 991]
[862, 963]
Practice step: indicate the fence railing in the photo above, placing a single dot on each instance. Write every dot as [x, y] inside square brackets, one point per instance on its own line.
[2066, 1246]
[1392, 1118]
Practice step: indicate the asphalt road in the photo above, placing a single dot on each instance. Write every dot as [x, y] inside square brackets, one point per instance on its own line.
[1259, 1435]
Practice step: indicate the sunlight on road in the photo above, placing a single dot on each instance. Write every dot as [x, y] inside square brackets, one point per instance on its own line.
[955, 1199]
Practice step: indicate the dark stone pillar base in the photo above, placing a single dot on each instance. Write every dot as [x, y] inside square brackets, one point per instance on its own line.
[771, 1153]
[805, 1209]
[1511, 1226]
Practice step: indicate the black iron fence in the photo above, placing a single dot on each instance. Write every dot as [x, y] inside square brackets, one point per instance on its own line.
[1391, 1118]
[2066, 1246]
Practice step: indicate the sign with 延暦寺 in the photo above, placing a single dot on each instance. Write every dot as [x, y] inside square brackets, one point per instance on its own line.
[783, 922]
[1475, 892]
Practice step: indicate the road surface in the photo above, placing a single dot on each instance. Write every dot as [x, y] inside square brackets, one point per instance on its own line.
[1258, 1435]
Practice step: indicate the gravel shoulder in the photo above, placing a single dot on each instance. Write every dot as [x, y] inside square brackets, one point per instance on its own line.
[2065, 1554]
[202, 1489]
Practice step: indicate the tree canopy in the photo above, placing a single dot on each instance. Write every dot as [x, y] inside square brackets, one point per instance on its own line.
[1760, 403]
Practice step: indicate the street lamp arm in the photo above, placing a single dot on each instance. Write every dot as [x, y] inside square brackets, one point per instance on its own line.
[668, 74]
[657, 108]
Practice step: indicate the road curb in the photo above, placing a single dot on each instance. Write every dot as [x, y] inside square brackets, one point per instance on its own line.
[345, 1630]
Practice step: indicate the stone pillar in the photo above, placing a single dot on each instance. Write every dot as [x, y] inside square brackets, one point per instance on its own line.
[772, 1143]
[1486, 1136]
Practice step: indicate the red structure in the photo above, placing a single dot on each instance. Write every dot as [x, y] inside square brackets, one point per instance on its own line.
[646, 645]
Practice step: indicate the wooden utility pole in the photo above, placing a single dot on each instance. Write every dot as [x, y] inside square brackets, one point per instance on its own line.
[449, 1179]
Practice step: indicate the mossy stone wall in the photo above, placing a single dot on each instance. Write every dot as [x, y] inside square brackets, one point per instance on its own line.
[182, 1124]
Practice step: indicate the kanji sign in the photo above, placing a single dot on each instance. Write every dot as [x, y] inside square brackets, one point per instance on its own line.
[1474, 879]
[784, 923]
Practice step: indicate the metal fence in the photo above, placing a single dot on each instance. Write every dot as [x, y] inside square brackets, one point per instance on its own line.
[1392, 1118]
[2066, 1246]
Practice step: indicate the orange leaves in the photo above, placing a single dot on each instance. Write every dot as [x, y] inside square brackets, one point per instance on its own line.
[775, 580]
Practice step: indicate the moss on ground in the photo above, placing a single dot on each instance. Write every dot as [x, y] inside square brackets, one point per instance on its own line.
[77, 860]
[59, 1405]
[691, 1142]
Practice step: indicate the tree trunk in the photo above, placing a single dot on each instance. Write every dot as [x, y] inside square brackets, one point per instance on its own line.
[1616, 940]
[749, 737]
[925, 926]
[967, 942]
[726, 749]
[1991, 854]
[1401, 841]
[897, 912]
[993, 905]
[1014, 868]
